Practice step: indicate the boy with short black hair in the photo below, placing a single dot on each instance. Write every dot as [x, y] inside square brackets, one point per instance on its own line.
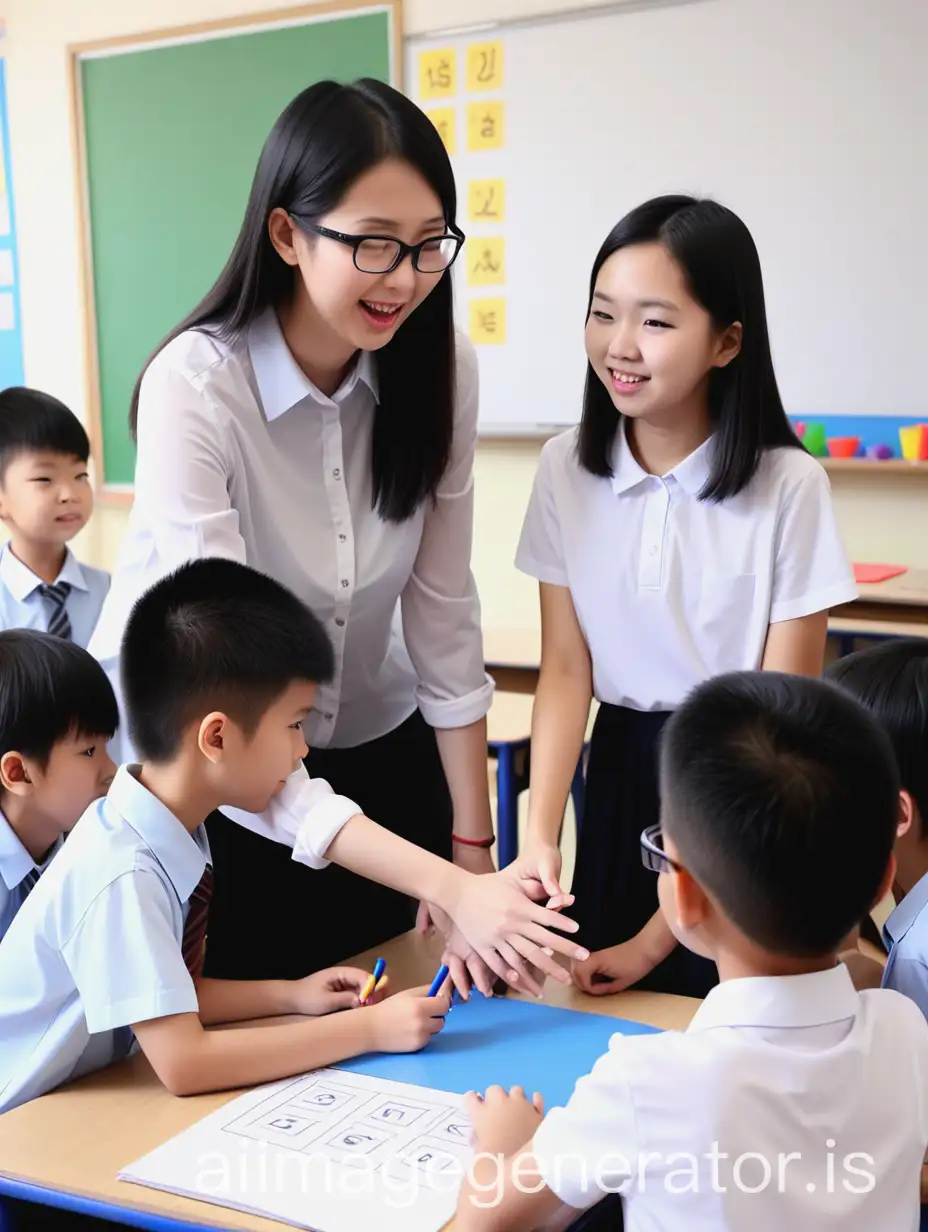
[57, 711]
[792, 1101]
[45, 500]
[891, 680]
[220, 666]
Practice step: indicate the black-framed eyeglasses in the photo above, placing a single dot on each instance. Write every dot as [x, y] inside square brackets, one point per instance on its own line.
[653, 856]
[381, 254]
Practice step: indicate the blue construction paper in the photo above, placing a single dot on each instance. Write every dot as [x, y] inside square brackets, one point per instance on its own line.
[498, 1040]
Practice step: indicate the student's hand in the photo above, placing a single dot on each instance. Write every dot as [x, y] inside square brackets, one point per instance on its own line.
[337, 988]
[503, 1122]
[537, 872]
[473, 860]
[509, 931]
[613, 970]
[407, 1021]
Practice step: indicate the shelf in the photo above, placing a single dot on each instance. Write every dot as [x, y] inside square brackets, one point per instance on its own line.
[891, 466]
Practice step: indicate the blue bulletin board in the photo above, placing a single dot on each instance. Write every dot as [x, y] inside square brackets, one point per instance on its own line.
[11, 343]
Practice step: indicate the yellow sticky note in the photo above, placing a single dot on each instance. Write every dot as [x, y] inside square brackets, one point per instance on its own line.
[486, 201]
[486, 262]
[437, 74]
[488, 320]
[485, 125]
[484, 67]
[444, 120]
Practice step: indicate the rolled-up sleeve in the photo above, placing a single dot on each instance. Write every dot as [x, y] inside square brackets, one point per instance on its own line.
[306, 815]
[440, 607]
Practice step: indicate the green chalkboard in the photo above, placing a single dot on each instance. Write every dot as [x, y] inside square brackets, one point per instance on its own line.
[172, 133]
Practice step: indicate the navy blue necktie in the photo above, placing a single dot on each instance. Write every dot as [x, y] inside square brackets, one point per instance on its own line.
[57, 595]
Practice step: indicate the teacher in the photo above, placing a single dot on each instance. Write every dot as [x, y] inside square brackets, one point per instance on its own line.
[315, 416]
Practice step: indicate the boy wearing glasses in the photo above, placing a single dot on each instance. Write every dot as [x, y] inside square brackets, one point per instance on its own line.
[792, 1101]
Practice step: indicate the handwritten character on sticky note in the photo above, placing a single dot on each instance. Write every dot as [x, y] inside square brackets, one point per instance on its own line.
[485, 126]
[485, 66]
[488, 320]
[437, 76]
[487, 200]
[485, 262]
[443, 119]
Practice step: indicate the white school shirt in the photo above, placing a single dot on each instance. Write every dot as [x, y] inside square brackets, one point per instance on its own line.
[686, 1124]
[15, 866]
[22, 607]
[241, 456]
[97, 944]
[670, 590]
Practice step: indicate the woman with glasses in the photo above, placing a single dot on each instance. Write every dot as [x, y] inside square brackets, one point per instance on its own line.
[315, 416]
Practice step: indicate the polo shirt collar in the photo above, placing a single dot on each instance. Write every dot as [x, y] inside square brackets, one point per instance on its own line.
[691, 474]
[282, 383]
[182, 855]
[811, 1000]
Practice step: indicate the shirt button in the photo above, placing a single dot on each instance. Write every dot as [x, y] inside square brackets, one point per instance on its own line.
[339, 622]
[342, 538]
[328, 718]
[336, 474]
[344, 581]
[653, 549]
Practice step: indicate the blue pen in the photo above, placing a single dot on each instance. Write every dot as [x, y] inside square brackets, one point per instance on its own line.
[438, 981]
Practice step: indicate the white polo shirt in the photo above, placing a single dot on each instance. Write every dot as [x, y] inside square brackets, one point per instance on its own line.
[22, 607]
[790, 1103]
[97, 944]
[15, 866]
[670, 590]
[241, 456]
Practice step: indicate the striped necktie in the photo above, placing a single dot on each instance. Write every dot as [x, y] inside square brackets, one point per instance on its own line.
[28, 883]
[193, 945]
[57, 595]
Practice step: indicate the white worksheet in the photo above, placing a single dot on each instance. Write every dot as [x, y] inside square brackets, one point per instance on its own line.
[330, 1151]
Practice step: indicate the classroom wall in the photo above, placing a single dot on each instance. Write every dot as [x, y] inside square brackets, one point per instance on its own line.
[882, 518]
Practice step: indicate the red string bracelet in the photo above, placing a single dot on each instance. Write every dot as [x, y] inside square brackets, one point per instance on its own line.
[474, 842]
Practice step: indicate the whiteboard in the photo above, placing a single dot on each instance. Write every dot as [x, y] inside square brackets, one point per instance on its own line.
[809, 118]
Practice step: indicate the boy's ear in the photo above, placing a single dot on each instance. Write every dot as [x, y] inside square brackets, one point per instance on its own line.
[690, 899]
[14, 774]
[212, 736]
[906, 814]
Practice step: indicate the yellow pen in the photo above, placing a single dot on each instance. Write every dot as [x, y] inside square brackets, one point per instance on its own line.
[374, 981]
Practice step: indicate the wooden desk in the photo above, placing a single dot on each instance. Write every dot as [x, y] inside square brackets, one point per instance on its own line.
[903, 599]
[75, 1140]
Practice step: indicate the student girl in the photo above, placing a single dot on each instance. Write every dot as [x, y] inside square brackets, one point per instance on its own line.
[315, 417]
[681, 531]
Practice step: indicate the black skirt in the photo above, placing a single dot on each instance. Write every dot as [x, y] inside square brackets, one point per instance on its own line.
[615, 894]
[271, 918]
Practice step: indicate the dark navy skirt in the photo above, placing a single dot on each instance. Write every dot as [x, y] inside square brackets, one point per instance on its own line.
[616, 895]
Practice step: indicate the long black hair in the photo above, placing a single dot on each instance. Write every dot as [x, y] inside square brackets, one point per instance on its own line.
[719, 260]
[328, 137]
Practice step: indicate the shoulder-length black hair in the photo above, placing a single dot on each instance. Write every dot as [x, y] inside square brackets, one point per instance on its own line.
[719, 259]
[328, 137]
